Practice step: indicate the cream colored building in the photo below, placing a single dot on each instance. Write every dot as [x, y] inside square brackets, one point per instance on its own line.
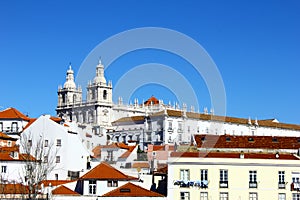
[234, 176]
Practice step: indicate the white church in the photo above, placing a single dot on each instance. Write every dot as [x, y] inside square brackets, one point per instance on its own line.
[151, 122]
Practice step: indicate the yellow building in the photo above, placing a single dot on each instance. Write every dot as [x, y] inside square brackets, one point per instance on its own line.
[234, 176]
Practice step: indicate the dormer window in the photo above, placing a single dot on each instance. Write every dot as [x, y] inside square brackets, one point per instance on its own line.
[250, 139]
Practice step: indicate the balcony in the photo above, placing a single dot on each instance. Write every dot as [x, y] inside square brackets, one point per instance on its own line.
[281, 185]
[252, 184]
[187, 184]
[223, 184]
[295, 186]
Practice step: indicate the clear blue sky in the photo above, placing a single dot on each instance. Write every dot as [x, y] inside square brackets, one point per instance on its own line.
[255, 45]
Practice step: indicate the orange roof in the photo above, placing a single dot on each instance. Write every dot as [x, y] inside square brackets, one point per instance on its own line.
[5, 156]
[140, 165]
[31, 120]
[234, 155]
[12, 113]
[3, 136]
[16, 188]
[63, 190]
[55, 182]
[131, 190]
[9, 149]
[104, 171]
[133, 119]
[56, 119]
[97, 151]
[258, 142]
[152, 100]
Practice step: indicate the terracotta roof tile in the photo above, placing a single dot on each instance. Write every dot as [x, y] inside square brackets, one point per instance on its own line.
[5, 156]
[131, 190]
[12, 113]
[133, 119]
[9, 149]
[4, 136]
[257, 142]
[152, 100]
[16, 188]
[140, 165]
[63, 190]
[234, 155]
[55, 182]
[104, 171]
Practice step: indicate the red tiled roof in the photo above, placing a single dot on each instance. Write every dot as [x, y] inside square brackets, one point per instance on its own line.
[9, 149]
[3, 136]
[63, 190]
[129, 150]
[104, 171]
[131, 190]
[140, 165]
[152, 100]
[5, 156]
[12, 113]
[234, 155]
[133, 119]
[56, 119]
[258, 142]
[97, 151]
[55, 182]
[31, 120]
[16, 188]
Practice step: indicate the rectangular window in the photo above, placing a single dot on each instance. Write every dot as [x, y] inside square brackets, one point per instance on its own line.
[112, 183]
[46, 143]
[203, 196]
[29, 143]
[9, 143]
[180, 129]
[296, 196]
[203, 175]
[3, 169]
[58, 142]
[185, 175]
[223, 178]
[45, 159]
[57, 159]
[252, 179]
[92, 186]
[223, 196]
[184, 196]
[281, 180]
[14, 126]
[1, 126]
[170, 125]
[281, 196]
[252, 196]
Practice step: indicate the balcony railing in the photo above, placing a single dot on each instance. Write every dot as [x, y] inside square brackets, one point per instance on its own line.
[253, 184]
[186, 184]
[281, 185]
[223, 184]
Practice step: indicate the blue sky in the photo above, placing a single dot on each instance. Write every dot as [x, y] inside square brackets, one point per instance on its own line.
[255, 45]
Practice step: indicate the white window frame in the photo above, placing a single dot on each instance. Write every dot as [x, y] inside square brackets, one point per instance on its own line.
[92, 186]
[281, 196]
[203, 174]
[184, 195]
[3, 169]
[203, 195]
[253, 196]
[223, 195]
[58, 142]
[184, 174]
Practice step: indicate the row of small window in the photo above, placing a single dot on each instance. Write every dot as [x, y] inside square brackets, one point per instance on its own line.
[13, 128]
[185, 176]
[46, 143]
[57, 159]
[93, 185]
[225, 196]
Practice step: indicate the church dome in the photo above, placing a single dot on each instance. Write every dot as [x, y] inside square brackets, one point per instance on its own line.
[70, 84]
[100, 79]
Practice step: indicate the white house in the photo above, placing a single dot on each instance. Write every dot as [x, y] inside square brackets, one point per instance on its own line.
[69, 155]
